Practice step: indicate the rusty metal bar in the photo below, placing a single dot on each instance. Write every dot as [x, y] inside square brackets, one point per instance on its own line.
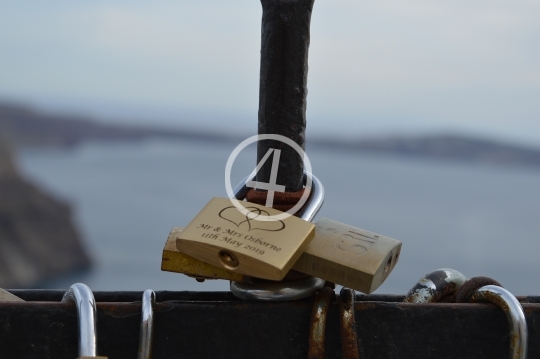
[218, 325]
[283, 85]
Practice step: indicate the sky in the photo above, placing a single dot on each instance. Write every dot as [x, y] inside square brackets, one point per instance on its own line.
[376, 67]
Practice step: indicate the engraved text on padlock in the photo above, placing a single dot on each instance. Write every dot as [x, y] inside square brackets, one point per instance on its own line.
[349, 256]
[246, 243]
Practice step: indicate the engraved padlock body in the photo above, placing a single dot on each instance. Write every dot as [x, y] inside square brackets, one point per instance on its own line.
[173, 260]
[349, 256]
[250, 242]
[289, 290]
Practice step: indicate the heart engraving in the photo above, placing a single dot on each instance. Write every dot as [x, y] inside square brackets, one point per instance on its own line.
[233, 215]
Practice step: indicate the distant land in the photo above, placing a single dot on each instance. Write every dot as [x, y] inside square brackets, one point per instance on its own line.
[25, 127]
[38, 238]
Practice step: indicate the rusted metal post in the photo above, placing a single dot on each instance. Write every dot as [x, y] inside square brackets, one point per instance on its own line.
[283, 85]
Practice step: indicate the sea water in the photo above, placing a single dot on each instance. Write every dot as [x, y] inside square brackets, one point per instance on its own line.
[127, 196]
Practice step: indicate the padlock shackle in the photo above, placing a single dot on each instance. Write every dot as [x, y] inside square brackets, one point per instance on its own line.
[313, 204]
[83, 298]
[514, 313]
[315, 200]
[146, 334]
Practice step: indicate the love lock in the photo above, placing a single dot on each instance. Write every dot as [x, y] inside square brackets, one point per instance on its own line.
[245, 242]
[514, 313]
[147, 325]
[83, 298]
[289, 290]
[247, 238]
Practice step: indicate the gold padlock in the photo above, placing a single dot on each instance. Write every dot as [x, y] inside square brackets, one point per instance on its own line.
[339, 253]
[349, 256]
[251, 241]
[175, 261]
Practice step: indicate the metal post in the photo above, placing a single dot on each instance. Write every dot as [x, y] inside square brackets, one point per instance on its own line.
[283, 85]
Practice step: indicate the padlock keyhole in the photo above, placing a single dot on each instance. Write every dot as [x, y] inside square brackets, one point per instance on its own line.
[388, 266]
[228, 260]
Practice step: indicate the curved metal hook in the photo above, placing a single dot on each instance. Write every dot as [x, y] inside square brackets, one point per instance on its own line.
[317, 328]
[83, 298]
[435, 285]
[277, 291]
[146, 335]
[514, 313]
[349, 338]
[281, 291]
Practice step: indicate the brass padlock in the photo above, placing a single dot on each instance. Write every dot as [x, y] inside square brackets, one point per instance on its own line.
[349, 256]
[339, 253]
[250, 241]
[175, 261]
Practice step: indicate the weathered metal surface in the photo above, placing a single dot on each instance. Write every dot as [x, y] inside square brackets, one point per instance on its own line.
[283, 85]
[349, 338]
[470, 286]
[217, 325]
[317, 330]
[518, 333]
[435, 285]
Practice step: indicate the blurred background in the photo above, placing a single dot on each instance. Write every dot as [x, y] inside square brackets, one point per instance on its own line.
[117, 118]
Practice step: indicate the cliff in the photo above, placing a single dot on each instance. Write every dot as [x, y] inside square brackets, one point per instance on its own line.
[37, 236]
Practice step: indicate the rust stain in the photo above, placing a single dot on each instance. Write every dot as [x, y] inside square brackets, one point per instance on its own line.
[349, 338]
[317, 329]
[365, 306]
